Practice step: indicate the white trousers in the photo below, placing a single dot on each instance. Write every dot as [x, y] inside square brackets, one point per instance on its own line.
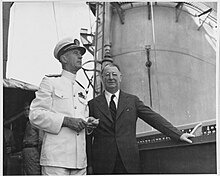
[51, 170]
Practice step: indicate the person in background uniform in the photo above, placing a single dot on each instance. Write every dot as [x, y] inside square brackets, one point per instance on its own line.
[31, 147]
[9, 146]
[60, 110]
[112, 147]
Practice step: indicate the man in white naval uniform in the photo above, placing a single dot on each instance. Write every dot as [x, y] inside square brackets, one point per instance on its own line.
[60, 110]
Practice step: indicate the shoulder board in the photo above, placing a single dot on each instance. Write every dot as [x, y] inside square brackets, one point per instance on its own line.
[57, 75]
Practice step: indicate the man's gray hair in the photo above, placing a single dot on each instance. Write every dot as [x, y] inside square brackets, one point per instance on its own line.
[110, 65]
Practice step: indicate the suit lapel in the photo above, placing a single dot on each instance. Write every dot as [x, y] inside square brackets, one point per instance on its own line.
[103, 106]
[122, 103]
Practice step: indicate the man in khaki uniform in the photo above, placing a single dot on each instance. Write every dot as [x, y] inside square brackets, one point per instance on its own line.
[60, 110]
[32, 143]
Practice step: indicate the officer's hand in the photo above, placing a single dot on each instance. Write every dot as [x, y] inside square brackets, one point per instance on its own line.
[92, 122]
[76, 124]
[185, 137]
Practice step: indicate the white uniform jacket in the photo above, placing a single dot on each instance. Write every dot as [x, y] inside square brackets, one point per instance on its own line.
[58, 97]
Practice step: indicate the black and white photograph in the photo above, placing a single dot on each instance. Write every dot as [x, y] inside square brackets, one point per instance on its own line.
[106, 87]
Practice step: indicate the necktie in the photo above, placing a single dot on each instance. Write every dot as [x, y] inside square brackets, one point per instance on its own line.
[113, 107]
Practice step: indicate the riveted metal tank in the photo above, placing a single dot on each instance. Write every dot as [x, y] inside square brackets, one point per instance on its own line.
[167, 56]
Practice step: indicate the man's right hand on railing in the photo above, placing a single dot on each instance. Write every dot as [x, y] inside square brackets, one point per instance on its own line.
[185, 137]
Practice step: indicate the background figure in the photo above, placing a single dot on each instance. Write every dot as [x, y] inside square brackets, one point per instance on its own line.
[9, 147]
[31, 148]
[112, 147]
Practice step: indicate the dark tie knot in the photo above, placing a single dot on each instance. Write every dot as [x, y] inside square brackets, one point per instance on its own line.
[112, 97]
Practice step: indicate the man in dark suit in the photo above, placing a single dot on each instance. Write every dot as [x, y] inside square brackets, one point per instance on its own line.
[112, 147]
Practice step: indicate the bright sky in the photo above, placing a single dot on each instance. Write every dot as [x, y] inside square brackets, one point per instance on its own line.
[35, 28]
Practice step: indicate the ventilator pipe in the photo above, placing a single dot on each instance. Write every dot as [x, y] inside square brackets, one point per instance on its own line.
[107, 59]
[148, 65]
[107, 34]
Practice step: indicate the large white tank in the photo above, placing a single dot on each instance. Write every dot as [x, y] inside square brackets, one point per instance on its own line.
[183, 56]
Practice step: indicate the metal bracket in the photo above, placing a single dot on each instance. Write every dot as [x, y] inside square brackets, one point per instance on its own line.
[203, 13]
[120, 11]
[148, 63]
[149, 10]
[178, 7]
[87, 43]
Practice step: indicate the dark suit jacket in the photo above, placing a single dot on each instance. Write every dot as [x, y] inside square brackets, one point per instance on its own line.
[102, 144]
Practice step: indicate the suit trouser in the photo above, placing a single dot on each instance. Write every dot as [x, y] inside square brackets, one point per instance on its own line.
[119, 166]
[51, 170]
